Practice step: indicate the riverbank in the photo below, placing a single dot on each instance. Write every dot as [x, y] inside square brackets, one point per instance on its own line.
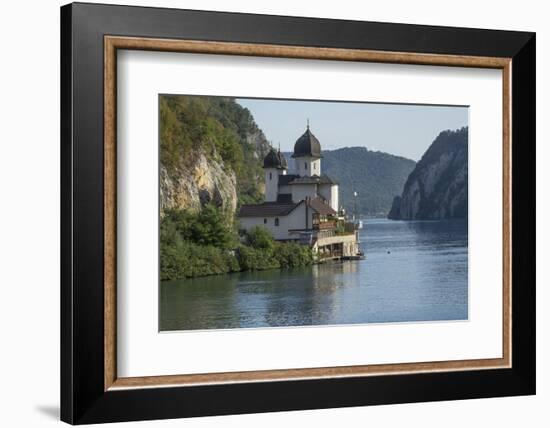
[424, 277]
[202, 244]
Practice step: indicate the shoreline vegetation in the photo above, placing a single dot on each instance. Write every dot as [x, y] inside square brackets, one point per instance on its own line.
[211, 152]
[208, 242]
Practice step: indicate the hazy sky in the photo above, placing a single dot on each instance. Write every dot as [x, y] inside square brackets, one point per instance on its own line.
[404, 130]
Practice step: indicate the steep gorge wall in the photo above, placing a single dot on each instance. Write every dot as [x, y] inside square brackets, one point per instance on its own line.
[438, 186]
[191, 187]
[211, 152]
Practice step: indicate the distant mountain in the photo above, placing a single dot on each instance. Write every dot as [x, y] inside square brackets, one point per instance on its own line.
[438, 187]
[375, 176]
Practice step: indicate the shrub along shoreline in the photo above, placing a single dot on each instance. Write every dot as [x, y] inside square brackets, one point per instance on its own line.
[207, 243]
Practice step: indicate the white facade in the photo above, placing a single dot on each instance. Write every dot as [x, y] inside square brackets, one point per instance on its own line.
[306, 166]
[302, 191]
[282, 228]
[285, 189]
[330, 193]
[272, 183]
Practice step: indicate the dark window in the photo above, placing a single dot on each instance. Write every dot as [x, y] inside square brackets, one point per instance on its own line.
[276, 222]
[314, 165]
[305, 165]
[270, 176]
[265, 220]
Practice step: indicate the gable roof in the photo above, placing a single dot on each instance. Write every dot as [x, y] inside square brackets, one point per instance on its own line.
[280, 209]
[268, 209]
[321, 207]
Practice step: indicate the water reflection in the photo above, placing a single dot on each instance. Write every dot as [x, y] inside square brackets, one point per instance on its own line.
[414, 271]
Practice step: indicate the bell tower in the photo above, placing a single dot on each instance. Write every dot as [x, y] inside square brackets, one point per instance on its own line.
[307, 154]
[274, 165]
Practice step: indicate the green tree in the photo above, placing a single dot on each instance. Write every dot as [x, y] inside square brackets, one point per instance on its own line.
[292, 255]
[200, 244]
[251, 258]
[260, 238]
[210, 226]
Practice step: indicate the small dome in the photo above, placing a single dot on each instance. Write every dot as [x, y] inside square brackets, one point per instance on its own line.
[275, 159]
[307, 145]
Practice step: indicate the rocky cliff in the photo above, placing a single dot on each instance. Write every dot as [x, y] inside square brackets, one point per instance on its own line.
[210, 153]
[192, 186]
[437, 188]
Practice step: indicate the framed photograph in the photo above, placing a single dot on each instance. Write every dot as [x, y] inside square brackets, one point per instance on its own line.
[265, 213]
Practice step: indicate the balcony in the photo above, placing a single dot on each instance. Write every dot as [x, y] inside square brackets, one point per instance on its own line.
[324, 225]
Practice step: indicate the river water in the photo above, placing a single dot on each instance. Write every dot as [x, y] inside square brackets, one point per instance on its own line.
[413, 271]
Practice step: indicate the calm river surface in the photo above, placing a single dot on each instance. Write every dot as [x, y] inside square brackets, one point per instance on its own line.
[413, 271]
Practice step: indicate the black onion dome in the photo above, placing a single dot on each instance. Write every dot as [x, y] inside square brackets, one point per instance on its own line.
[275, 159]
[307, 145]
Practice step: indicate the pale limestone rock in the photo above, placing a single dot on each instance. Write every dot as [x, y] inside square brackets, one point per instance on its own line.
[205, 182]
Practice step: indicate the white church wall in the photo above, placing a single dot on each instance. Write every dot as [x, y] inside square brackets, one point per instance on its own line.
[307, 166]
[271, 184]
[334, 199]
[316, 167]
[285, 189]
[325, 192]
[294, 220]
[301, 191]
[330, 193]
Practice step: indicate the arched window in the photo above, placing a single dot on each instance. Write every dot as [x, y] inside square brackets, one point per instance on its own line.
[265, 220]
[276, 221]
[270, 176]
[305, 165]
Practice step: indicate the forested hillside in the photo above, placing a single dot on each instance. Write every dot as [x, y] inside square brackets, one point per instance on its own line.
[210, 150]
[375, 176]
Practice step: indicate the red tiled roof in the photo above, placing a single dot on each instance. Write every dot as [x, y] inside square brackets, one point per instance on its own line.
[321, 207]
